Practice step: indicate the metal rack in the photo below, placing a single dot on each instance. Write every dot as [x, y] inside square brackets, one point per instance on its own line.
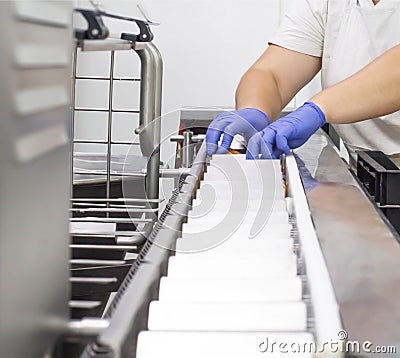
[109, 226]
[149, 111]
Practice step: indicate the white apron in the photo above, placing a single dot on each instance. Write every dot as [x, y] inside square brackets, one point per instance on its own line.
[364, 33]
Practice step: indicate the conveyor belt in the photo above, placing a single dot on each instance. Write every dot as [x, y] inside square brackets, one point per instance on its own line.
[225, 281]
[246, 268]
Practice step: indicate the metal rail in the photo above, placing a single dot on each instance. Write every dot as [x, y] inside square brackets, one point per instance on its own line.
[150, 112]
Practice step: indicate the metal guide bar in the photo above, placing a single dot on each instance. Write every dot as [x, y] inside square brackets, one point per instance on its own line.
[117, 200]
[81, 141]
[102, 173]
[326, 321]
[122, 79]
[140, 284]
[110, 118]
[110, 220]
[106, 110]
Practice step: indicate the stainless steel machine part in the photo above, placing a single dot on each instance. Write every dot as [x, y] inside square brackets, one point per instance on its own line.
[362, 253]
[150, 112]
[35, 70]
[188, 149]
[87, 328]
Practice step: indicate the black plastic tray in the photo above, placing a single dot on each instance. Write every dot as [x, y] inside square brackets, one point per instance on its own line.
[381, 179]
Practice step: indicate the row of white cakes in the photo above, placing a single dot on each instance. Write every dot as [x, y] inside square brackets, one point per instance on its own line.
[233, 281]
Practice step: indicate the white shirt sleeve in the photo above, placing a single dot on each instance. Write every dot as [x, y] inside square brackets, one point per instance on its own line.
[303, 27]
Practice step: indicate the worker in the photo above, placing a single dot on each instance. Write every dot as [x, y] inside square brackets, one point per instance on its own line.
[374, 91]
[338, 37]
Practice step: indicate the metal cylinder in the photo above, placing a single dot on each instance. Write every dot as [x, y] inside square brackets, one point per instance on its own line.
[188, 149]
[150, 112]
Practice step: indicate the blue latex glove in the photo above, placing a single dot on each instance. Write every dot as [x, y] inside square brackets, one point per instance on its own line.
[245, 122]
[286, 133]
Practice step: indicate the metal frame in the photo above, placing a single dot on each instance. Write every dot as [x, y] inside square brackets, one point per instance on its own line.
[149, 113]
[34, 179]
[105, 266]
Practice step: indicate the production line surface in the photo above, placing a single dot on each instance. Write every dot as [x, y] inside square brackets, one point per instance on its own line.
[234, 279]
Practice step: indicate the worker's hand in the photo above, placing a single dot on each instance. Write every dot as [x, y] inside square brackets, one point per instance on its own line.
[245, 122]
[286, 133]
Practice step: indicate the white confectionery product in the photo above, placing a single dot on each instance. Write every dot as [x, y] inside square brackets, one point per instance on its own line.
[270, 248]
[244, 215]
[195, 244]
[250, 175]
[251, 205]
[231, 267]
[235, 229]
[152, 344]
[248, 316]
[238, 191]
[230, 290]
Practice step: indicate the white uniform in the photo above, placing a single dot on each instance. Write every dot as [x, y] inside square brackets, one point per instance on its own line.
[347, 34]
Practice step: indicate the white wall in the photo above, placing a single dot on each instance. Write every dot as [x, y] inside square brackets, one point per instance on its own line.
[206, 45]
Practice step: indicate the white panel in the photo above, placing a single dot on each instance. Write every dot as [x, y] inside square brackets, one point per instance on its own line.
[91, 94]
[126, 95]
[29, 55]
[85, 121]
[124, 125]
[93, 64]
[34, 100]
[41, 12]
[127, 64]
[34, 144]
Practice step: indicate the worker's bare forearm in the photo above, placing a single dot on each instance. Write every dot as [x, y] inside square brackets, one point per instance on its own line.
[259, 89]
[274, 79]
[372, 92]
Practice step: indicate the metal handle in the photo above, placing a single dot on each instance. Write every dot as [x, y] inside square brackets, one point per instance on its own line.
[150, 112]
[188, 140]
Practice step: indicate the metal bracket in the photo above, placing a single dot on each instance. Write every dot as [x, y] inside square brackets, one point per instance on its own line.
[188, 139]
[97, 30]
[145, 34]
[194, 138]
